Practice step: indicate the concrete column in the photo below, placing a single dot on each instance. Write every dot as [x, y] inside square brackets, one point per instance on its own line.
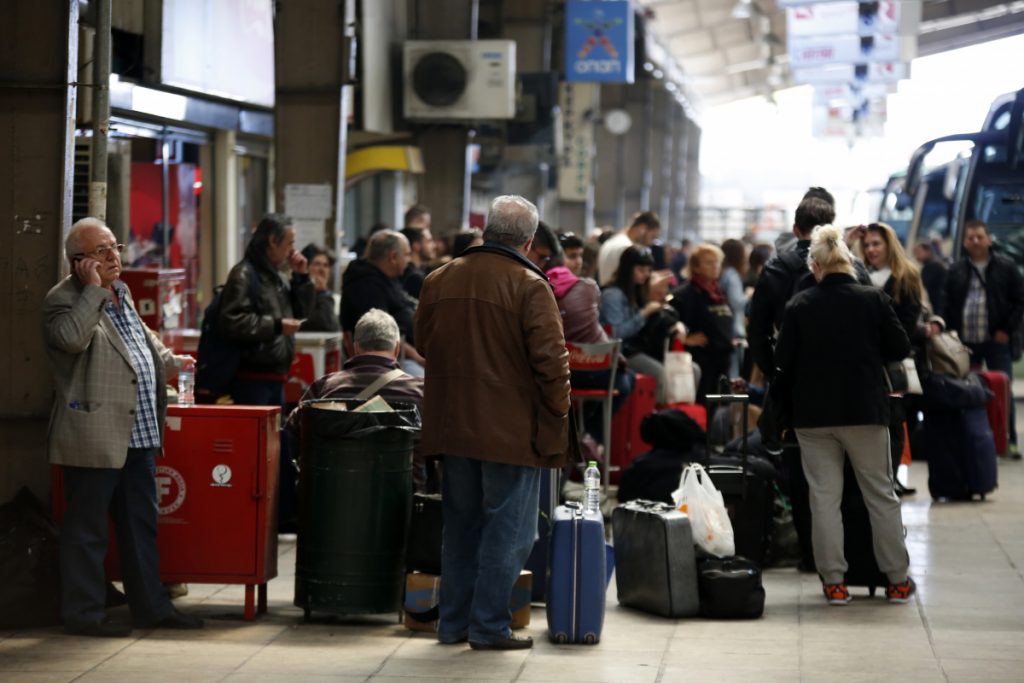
[668, 109]
[693, 167]
[38, 61]
[677, 184]
[225, 205]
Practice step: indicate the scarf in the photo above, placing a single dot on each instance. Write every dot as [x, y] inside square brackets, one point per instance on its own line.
[714, 291]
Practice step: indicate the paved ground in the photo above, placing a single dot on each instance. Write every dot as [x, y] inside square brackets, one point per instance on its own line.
[966, 624]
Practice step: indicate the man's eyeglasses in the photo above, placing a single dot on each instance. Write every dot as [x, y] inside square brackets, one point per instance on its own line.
[101, 253]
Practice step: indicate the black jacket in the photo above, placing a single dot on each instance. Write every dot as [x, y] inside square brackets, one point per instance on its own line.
[785, 275]
[699, 314]
[835, 338]
[256, 326]
[365, 286]
[910, 314]
[1004, 294]
[322, 317]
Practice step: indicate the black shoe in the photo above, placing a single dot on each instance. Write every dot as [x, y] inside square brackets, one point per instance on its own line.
[100, 629]
[178, 620]
[510, 643]
[115, 598]
[902, 490]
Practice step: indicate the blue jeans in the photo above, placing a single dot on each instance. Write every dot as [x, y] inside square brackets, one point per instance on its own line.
[129, 493]
[996, 356]
[490, 522]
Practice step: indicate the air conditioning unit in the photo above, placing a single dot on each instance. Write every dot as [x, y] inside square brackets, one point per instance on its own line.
[459, 79]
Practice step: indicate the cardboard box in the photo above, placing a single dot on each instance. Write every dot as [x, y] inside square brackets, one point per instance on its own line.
[423, 593]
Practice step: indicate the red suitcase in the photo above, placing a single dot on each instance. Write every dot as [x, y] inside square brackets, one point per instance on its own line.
[626, 441]
[998, 408]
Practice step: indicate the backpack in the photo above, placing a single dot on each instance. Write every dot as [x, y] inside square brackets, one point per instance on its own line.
[219, 358]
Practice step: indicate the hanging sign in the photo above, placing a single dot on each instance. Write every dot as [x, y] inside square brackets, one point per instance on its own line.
[837, 18]
[599, 41]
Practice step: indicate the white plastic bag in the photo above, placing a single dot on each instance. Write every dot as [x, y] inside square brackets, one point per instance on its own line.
[709, 520]
[680, 382]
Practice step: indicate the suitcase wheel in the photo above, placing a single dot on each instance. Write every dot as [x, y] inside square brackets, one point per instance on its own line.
[591, 639]
[561, 638]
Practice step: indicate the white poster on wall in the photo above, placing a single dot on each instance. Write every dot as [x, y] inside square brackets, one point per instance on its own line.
[575, 158]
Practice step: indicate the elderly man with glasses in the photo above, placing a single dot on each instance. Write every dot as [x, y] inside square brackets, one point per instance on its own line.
[106, 428]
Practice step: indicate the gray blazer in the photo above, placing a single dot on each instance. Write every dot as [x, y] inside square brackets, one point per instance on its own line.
[95, 392]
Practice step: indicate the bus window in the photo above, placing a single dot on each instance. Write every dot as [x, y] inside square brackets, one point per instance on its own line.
[1000, 203]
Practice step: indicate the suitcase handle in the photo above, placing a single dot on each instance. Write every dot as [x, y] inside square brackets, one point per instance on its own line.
[726, 400]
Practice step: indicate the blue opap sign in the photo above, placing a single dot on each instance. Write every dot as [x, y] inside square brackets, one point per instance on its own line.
[599, 41]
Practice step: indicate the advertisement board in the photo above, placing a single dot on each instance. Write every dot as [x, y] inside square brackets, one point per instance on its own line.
[599, 41]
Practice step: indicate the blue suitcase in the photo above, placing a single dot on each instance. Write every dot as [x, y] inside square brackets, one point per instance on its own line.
[961, 453]
[576, 576]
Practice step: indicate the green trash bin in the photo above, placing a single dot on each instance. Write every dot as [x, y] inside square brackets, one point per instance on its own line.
[355, 499]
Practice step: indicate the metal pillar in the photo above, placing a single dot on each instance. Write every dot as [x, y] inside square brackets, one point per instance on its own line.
[101, 115]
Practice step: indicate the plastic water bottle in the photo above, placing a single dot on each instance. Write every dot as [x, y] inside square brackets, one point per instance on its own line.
[187, 386]
[592, 488]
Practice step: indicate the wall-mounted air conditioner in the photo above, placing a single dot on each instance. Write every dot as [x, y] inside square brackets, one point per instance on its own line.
[448, 80]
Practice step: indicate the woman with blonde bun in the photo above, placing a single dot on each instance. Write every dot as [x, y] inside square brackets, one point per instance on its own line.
[834, 340]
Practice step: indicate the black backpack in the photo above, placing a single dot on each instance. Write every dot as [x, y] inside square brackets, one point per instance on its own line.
[219, 358]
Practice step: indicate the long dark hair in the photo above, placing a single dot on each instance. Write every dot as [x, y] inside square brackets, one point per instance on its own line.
[634, 256]
[272, 225]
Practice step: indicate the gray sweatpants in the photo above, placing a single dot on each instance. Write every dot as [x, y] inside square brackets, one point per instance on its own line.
[822, 450]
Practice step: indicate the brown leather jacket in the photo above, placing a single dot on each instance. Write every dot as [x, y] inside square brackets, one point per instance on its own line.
[497, 375]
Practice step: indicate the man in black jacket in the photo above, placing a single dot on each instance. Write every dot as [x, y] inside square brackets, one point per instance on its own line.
[933, 275]
[374, 281]
[985, 305]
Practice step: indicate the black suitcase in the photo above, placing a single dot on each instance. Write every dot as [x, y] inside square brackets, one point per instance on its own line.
[537, 562]
[426, 527]
[961, 453]
[655, 561]
[749, 495]
[858, 544]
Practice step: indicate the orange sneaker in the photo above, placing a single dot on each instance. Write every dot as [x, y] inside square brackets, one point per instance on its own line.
[837, 594]
[901, 592]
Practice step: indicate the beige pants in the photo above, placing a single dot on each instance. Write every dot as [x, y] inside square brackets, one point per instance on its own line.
[822, 450]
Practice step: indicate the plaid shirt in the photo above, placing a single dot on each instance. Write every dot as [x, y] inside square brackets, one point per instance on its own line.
[976, 310]
[146, 429]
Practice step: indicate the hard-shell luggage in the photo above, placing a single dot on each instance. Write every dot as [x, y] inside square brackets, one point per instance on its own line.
[961, 454]
[749, 495]
[426, 526]
[537, 562]
[858, 542]
[730, 588]
[576, 576]
[998, 408]
[655, 561]
[626, 440]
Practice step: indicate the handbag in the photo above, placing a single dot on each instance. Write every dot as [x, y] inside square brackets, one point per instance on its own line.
[901, 377]
[948, 356]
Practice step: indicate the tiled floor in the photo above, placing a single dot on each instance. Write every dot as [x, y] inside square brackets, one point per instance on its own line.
[966, 624]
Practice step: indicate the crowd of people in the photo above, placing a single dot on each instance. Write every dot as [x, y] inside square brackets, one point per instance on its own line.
[476, 323]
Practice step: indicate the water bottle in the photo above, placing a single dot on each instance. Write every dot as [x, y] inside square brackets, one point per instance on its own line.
[592, 488]
[187, 386]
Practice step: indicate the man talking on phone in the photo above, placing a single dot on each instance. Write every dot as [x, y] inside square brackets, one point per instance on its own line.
[260, 311]
[106, 430]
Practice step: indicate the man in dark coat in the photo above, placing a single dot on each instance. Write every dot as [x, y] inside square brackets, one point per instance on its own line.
[985, 305]
[374, 281]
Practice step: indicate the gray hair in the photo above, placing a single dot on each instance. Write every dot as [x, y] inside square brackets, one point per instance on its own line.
[376, 331]
[382, 243]
[72, 243]
[511, 220]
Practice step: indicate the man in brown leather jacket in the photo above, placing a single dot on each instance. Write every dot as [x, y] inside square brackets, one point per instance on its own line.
[496, 404]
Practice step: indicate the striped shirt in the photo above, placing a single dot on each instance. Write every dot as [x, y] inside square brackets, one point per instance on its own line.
[146, 429]
[976, 308]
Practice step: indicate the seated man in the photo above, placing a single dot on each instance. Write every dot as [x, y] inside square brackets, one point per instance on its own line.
[376, 340]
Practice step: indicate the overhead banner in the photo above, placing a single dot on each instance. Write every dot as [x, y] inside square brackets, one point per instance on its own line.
[836, 18]
[599, 41]
[817, 50]
[883, 72]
